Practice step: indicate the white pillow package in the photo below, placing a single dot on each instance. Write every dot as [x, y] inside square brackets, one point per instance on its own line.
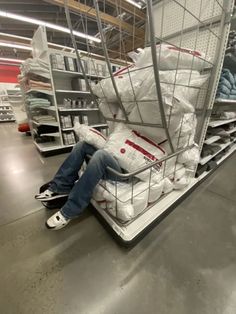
[170, 57]
[133, 151]
[124, 207]
[90, 135]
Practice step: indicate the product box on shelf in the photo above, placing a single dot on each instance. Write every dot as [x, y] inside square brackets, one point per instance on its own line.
[85, 66]
[84, 119]
[70, 64]
[66, 122]
[57, 61]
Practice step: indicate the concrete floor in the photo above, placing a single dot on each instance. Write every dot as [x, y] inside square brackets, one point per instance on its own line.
[185, 265]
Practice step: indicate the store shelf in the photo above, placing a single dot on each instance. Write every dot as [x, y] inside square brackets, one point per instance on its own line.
[204, 160]
[212, 139]
[225, 104]
[45, 123]
[32, 90]
[4, 110]
[230, 61]
[8, 120]
[49, 108]
[60, 73]
[5, 105]
[99, 125]
[77, 109]
[45, 147]
[76, 92]
[231, 131]
[14, 96]
[215, 123]
[128, 232]
[68, 146]
[68, 129]
[56, 134]
[226, 155]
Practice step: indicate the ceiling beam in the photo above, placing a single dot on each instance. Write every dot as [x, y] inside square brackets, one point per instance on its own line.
[78, 7]
[127, 7]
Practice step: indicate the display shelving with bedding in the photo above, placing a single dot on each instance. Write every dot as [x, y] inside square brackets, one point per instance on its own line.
[158, 113]
[220, 142]
[56, 95]
[8, 99]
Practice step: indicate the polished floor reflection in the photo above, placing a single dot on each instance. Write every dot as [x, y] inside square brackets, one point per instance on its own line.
[185, 265]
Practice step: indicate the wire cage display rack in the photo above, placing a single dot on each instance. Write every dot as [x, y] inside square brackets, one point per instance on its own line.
[162, 96]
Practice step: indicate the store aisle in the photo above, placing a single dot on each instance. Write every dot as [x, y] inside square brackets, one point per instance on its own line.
[22, 171]
[185, 265]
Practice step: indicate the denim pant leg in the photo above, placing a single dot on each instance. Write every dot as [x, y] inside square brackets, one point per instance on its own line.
[82, 191]
[67, 174]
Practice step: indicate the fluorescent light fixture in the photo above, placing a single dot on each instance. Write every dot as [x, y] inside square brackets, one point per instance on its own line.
[48, 25]
[13, 60]
[15, 46]
[29, 39]
[15, 36]
[134, 3]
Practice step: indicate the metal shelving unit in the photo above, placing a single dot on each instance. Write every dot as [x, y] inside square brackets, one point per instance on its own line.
[61, 82]
[6, 110]
[185, 25]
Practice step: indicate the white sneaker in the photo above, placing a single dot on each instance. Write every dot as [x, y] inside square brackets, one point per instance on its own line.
[48, 196]
[57, 221]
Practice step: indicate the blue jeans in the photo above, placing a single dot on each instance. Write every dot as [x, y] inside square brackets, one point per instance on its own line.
[80, 192]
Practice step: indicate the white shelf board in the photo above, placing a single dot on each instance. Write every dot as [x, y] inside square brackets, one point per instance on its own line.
[212, 139]
[33, 90]
[14, 96]
[49, 108]
[129, 231]
[54, 123]
[68, 129]
[230, 152]
[7, 120]
[204, 160]
[56, 134]
[5, 106]
[46, 147]
[99, 125]
[77, 92]
[70, 145]
[75, 74]
[231, 131]
[10, 109]
[215, 123]
[77, 109]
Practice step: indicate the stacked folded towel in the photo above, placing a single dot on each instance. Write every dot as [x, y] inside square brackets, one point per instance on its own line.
[227, 85]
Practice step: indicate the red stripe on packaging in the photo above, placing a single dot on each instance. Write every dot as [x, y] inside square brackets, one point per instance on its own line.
[120, 71]
[141, 150]
[192, 52]
[98, 133]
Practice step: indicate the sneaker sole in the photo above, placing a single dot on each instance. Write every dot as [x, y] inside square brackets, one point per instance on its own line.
[45, 199]
[54, 228]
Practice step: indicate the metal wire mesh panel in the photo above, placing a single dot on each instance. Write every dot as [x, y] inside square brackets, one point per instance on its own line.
[156, 103]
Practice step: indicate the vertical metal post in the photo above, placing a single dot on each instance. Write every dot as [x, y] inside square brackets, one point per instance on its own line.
[107, 58]
[77, 53]
[156, 73]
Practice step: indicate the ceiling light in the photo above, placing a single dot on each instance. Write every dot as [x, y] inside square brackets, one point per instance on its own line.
[134, 3]
[15, 36]
[29, 39]
[48, 25]
[15, 46]
[13, 60]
